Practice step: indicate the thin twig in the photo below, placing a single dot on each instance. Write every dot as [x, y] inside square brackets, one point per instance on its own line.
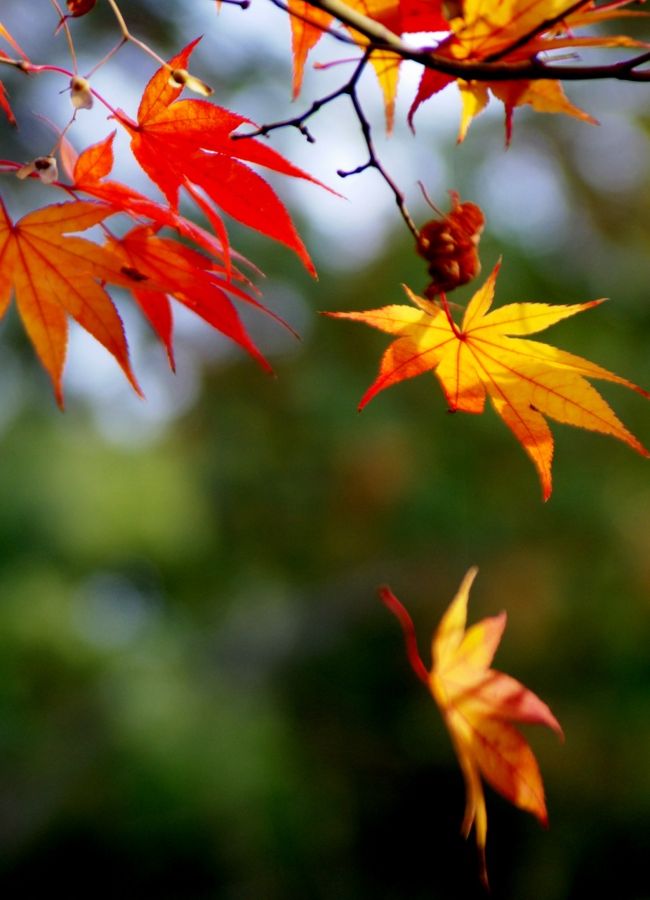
[126, 34]
[64, 24]
[299, 121]
[374, 162]
[349, 89]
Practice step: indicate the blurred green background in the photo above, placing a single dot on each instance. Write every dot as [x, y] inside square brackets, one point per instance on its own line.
[200, 693]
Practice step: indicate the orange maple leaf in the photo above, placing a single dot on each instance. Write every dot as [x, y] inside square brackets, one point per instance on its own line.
[54, 276]
[308, 24]
[189, 144]
[478, 705]
[525, 380]
[511, 31]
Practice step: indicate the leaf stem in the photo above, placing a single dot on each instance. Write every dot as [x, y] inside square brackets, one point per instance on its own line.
[391, 602]
[445, 306]
[122, 41]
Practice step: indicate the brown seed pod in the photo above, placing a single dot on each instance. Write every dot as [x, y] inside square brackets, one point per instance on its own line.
[450, 246]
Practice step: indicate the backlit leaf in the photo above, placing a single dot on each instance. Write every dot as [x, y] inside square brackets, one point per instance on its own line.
[478, 705]
[54, 276]
[308, 25]
[486, 356]
[512, 31]
[188, 143]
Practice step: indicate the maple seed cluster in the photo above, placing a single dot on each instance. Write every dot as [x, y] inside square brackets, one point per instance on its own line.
[450, 246]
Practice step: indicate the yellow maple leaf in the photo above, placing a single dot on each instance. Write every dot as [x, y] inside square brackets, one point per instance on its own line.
[513, 31]
[478, 705]
[486, 356]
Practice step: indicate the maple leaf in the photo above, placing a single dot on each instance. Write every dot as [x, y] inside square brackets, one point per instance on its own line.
[160, 268]
[4, 99]
[54, 276]
[156, 268]
[308, 24]
[478, 705]
[188, 143]
[4, 105]
[485, 355]
[88, 172]
[511, 31]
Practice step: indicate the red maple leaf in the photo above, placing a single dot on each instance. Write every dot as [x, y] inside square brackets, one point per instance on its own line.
[160, 268]
[157, 268]
[189, 143]
[88, 173]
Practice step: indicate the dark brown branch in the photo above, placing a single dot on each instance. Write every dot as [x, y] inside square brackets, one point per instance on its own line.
[374, 162]
[381, 38]
[299, 121]
[349, 89]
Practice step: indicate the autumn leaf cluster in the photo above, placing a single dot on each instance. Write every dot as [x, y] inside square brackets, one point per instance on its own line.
[474, 33]
[183, 145]
[206, 158]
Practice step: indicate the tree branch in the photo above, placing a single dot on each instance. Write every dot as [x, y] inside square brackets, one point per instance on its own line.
[377, 33]
[382, 38]
[349, 89]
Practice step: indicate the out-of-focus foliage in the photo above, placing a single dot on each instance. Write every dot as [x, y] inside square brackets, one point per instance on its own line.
[200, 695]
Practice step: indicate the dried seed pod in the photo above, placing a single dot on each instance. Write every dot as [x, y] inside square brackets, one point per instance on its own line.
[43, 166]
[450, 246]
[182, 78]
[80, 93]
